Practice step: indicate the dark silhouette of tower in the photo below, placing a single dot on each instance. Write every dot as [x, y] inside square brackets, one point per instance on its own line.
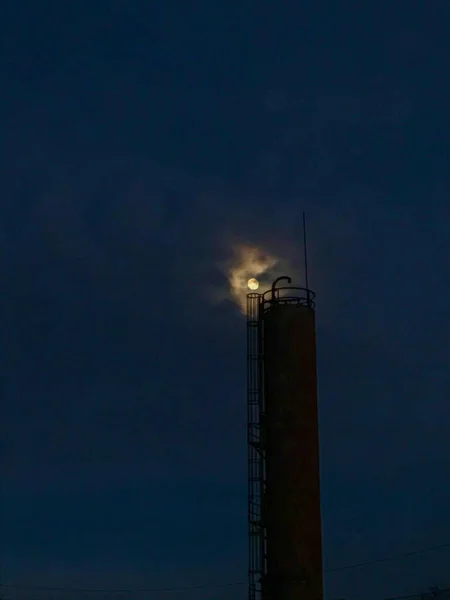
[285, 535]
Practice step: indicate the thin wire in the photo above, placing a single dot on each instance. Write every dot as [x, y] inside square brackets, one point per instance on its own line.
[125, 590]
[220, 585]
[431, 592]
[389, 558]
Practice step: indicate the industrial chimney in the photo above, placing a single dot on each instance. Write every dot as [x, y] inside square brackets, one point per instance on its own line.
[285, 534]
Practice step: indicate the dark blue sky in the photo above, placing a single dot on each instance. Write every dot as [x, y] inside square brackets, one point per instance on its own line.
[138, 140]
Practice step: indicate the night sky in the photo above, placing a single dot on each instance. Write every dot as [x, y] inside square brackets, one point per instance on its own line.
[141, 140]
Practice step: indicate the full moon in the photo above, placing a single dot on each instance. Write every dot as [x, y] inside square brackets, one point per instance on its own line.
[253, 284]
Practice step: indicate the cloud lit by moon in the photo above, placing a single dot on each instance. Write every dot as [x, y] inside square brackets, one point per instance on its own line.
[248, 262]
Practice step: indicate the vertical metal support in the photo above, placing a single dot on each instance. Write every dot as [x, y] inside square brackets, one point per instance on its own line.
[255, 439]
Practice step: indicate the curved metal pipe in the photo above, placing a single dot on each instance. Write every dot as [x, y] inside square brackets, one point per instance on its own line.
[274, 284]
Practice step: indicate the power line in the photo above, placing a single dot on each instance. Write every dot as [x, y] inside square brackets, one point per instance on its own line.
[388, 558]
[434, 592]
[217, 585]
[124, 590]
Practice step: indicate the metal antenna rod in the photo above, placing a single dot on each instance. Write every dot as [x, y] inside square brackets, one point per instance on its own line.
[305, 251]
